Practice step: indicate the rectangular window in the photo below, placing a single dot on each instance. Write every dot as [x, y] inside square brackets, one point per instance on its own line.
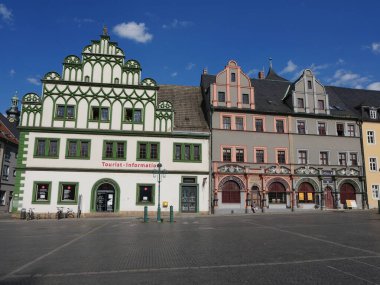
[301, 127]
[41, 192]
[309, 86]
[132, 115]
[260, 158]
[342, 158]
[240, 155]
[351, 130]
[227, 123]
[7, 155]
[79, 149]
[145, 194]
[373, 114]
[68, 192]
[226, 154]
[302, 157]
[114, 150]
[371, 137]
[233, 77]
[280, 126]
[259, 126]
[99, 114]
[300, 103]
[281, 156]
[340, 130]
[321, 128]
[245, 99]
[65, 112]
[2, 198]
[46, 147]
[373, 164]
[221, 96]
[5, 172]
[148, 151]
[353, 158]
[324, 158]
[178, 152]
[321, 104]
[375, 192]
[187, 151]
[239, 123]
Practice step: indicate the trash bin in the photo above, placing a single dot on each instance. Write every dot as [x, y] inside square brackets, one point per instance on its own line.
[23, 214]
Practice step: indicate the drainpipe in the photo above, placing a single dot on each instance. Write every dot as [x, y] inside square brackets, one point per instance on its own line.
[211, 187]
[362, 174]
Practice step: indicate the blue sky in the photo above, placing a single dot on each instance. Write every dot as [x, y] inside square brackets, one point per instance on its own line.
[175, 40]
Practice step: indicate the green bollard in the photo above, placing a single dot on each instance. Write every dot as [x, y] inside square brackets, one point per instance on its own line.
[171, 214]
[145, 214]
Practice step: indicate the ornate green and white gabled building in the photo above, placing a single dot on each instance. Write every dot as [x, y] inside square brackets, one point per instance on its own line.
[95, 136]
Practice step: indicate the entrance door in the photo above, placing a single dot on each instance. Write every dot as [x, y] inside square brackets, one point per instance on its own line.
[347, 192]
[189, 199]
[255, 196]
[105, 198]
[329, 200]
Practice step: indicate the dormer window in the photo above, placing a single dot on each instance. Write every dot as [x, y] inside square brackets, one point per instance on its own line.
[373, 114]
[233, 77]
[300, 103]
[309, 86]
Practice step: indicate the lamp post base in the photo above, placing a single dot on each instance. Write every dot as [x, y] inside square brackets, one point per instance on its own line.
[159, 214]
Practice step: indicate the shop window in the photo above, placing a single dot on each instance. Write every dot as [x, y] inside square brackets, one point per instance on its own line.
[79, 149]
[145, 194]
[46, 147]
[132, 115]
[187, 152]
[68, 192]
[148, 151]
[41, 192]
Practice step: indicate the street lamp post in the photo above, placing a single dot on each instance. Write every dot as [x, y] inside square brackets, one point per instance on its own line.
[159, 174]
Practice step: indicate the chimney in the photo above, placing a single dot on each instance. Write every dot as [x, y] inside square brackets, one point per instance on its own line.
[205, 70]
[261, 75]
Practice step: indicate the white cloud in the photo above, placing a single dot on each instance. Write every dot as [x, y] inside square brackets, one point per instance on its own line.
[340, 61]
[315, 67]
[12, 72]
[133, 31]
[174, 74]
[375, 47]
[190, 66]
[34, 81]
[177, 24]
[252, 72]
[290, 67]
[81, 21]
[374, 86]
[344, 77]
[5, 13]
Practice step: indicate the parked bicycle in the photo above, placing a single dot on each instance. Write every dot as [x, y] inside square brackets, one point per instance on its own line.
[70, 213]
[59, 215]
[30, 214]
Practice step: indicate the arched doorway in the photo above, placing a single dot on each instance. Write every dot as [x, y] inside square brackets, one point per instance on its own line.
[277, 193]
[230, 192]
[256, 196]
[306, 193]
[105, 196]
[329, 199]
[347, 192]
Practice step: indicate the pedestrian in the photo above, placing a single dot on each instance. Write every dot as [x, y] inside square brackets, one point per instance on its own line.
[253, 207]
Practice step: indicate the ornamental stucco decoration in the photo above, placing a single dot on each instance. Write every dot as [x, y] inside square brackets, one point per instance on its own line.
[72, 59]
[132, 64]
[348, 172]
[277, 170]
[165, 105]
[31, 98]
[52, 76]
[148, 82]
[231, 178]
[307, 170]
[231, 169]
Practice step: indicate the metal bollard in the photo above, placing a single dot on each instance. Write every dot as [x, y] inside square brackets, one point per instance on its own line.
[145, 214]
[171, 214]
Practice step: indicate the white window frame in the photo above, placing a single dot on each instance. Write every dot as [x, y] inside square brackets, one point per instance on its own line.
[373, 164]
[373, 137]
[307, 156]
[375, 189]
[305, 126]
[326, 128]
[373, 113]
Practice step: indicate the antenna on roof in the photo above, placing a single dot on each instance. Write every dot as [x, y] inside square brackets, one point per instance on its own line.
[270, 62]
